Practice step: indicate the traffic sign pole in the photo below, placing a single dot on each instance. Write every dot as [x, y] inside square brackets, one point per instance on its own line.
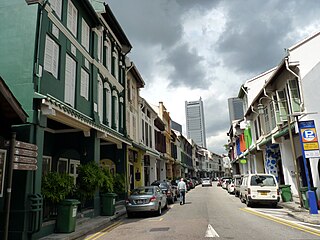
[9, 186]
[306, 135]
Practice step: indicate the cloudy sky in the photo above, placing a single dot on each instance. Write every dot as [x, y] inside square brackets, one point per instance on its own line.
[187, 49]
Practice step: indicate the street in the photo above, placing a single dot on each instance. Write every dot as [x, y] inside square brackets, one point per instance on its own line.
[210, 212]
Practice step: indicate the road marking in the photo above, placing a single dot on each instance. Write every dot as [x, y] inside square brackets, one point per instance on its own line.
[283, 222]
[104, 231]
[156, 220]
[210, 233]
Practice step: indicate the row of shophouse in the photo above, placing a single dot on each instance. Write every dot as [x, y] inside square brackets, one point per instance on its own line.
[73, 92]
[275, 102]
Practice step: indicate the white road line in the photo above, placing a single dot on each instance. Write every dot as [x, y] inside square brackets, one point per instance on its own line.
[211, 232]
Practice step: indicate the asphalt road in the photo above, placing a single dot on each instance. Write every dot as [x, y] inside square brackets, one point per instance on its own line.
[209, 212]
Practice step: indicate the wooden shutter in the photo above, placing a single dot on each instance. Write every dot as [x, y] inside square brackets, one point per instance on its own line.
[294, 95]
[48, 54]
[282, 104]
[70, 78]
[100, 99]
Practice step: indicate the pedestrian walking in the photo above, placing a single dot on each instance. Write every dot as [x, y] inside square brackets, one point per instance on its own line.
[182, 188]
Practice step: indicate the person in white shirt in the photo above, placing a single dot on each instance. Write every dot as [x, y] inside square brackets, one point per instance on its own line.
[182, 188]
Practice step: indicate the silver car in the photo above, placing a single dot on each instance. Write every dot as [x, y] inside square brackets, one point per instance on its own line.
[206, 182]
[146, 199]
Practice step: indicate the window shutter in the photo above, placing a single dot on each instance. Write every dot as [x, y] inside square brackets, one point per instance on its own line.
[85, 35]
[276, 109]
[70, 75]
[282, 105]
[51, 57]
[56, 5]
[48, 55]
[109, 106]
[100, 99]
[72, 20]
[84, 88]
[55, 60]
[99, 48]
[294, 95]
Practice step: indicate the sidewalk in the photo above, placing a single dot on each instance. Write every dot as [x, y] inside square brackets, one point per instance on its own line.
[299, 213]
[84, 225]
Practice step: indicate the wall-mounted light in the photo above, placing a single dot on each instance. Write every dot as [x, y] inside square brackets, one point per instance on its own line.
[260, 109]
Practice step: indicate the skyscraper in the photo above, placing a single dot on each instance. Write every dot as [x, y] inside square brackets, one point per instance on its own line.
[195, 122]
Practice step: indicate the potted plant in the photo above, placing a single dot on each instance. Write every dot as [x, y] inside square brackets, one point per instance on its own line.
[106, 193]
[120, 185]
[55, 188]
[89, 180]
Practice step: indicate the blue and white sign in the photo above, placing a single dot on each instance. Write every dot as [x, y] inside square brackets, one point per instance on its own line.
[309, 139]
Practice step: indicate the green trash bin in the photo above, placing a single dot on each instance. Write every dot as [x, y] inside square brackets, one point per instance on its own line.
[304, 196]
[286, 194]
[67, 216]
[108, 202]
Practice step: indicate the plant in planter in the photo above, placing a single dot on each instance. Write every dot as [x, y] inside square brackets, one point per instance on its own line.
[55, 188]
[107, 185]
[106, 193]
[89, 180]
[120, 185]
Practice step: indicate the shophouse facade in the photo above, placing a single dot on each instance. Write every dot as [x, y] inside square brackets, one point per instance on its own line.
[165, 117]
[136, 151]
[147, 139]
[71, 83]
[286, 97]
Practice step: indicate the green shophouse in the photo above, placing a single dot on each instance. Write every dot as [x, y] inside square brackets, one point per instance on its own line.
[64, 62]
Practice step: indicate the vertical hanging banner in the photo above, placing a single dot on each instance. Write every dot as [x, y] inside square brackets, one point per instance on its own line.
[309, 139]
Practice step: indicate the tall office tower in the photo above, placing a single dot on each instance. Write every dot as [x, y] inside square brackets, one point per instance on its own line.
[235, 109]
[195, 122]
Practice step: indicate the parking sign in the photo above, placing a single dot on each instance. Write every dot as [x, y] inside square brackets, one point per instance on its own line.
[309, 139]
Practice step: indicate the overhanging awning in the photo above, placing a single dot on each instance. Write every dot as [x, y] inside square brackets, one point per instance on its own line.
[283, 132]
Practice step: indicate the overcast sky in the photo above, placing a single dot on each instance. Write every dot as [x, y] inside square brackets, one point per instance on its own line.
[187, 49]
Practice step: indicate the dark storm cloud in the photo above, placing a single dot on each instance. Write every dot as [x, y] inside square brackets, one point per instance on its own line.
[187, 69]
[148, 22]
[256, 32]
[151, 23]
[216, 114]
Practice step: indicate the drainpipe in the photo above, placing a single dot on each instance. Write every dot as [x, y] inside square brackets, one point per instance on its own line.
[299, 83]
[293, 149]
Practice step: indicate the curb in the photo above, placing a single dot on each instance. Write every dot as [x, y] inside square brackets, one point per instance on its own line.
[89, 226]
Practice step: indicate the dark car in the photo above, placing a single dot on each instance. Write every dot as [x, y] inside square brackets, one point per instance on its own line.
[171, 191]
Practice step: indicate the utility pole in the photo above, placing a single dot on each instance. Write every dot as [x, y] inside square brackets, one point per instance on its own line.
[9, 186]
[293, 151]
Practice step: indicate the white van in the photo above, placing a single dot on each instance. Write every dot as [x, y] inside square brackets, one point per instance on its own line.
[259, 188]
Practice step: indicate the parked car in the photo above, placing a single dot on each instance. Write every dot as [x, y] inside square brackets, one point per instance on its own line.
[237, 182]
[206, 182]
[170, 190]
[230, 186]
[259, 188]
[225, 182]
[146, 199]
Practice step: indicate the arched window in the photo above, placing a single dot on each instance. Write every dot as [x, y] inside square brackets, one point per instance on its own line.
[115, 123]
[121, 114]
[100, 99]
[108, 106]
